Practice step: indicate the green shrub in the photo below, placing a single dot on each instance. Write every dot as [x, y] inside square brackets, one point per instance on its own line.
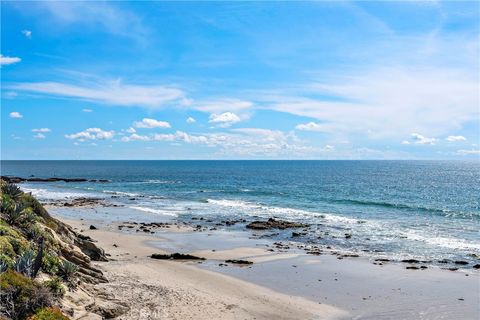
[13, 246]
[24, 263]
[6, 230]
[7, 261]
[48, 314]
[6, 203]
[11, 190]
[55, 286]
[29, 217]
[21, 296]
[29, 201]
[13, 213]
[35, 232]
[51, 263]
[6, 247]
[67, 270]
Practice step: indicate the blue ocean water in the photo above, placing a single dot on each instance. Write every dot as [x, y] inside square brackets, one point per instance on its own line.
[423, 209]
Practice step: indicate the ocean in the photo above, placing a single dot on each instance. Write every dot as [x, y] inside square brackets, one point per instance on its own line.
[427, 210]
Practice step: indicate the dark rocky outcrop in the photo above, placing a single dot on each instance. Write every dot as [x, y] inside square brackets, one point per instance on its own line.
[410, 261]
[242, 262]
[12, 179]
[275, 224]
[175, 256]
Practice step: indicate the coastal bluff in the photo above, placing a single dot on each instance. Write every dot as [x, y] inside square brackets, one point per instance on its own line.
[45, 265]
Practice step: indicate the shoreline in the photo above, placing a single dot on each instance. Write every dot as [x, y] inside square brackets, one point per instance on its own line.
[180, 290]
[321, 286]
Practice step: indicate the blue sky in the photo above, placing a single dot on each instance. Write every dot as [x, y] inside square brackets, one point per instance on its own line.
[240, 80]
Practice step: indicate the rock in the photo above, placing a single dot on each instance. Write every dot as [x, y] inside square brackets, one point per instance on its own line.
[410, 261]
[297, 234]
[175, 256]
[461, 262]
[348, 235]
[412, 268]
[12, 179]
[274, 224]
[92, 227]
[84, 237]
[382, 260]
[477, 266]
[244, 262]
[444, 261]
[108, 309]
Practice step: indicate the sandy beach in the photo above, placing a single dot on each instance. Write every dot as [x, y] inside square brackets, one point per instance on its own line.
[179, 290]
[280, 284]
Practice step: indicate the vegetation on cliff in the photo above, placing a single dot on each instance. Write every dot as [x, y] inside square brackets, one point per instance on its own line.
[40, 258]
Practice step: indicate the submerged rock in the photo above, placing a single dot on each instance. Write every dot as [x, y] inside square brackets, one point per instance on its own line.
[274, 224]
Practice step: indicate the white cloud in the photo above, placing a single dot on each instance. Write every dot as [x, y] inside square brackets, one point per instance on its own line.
[39, 136]
[455, 138]
[224, 120]
[109, 92]
[95, 15]
[87, 110]
[27, 33]
[384, 102]
[131, 130]
[468, 152]
[8, 60]
[328, 147]
[191, 120]
[419, 139]
[151, 123]
[16, 115]
[135, 137]
[91, 134]
[406, 142]
[44, 130]
[238, 142]
[310, 126]
[181, 136]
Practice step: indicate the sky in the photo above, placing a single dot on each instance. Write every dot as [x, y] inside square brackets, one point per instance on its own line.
[240, 80]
